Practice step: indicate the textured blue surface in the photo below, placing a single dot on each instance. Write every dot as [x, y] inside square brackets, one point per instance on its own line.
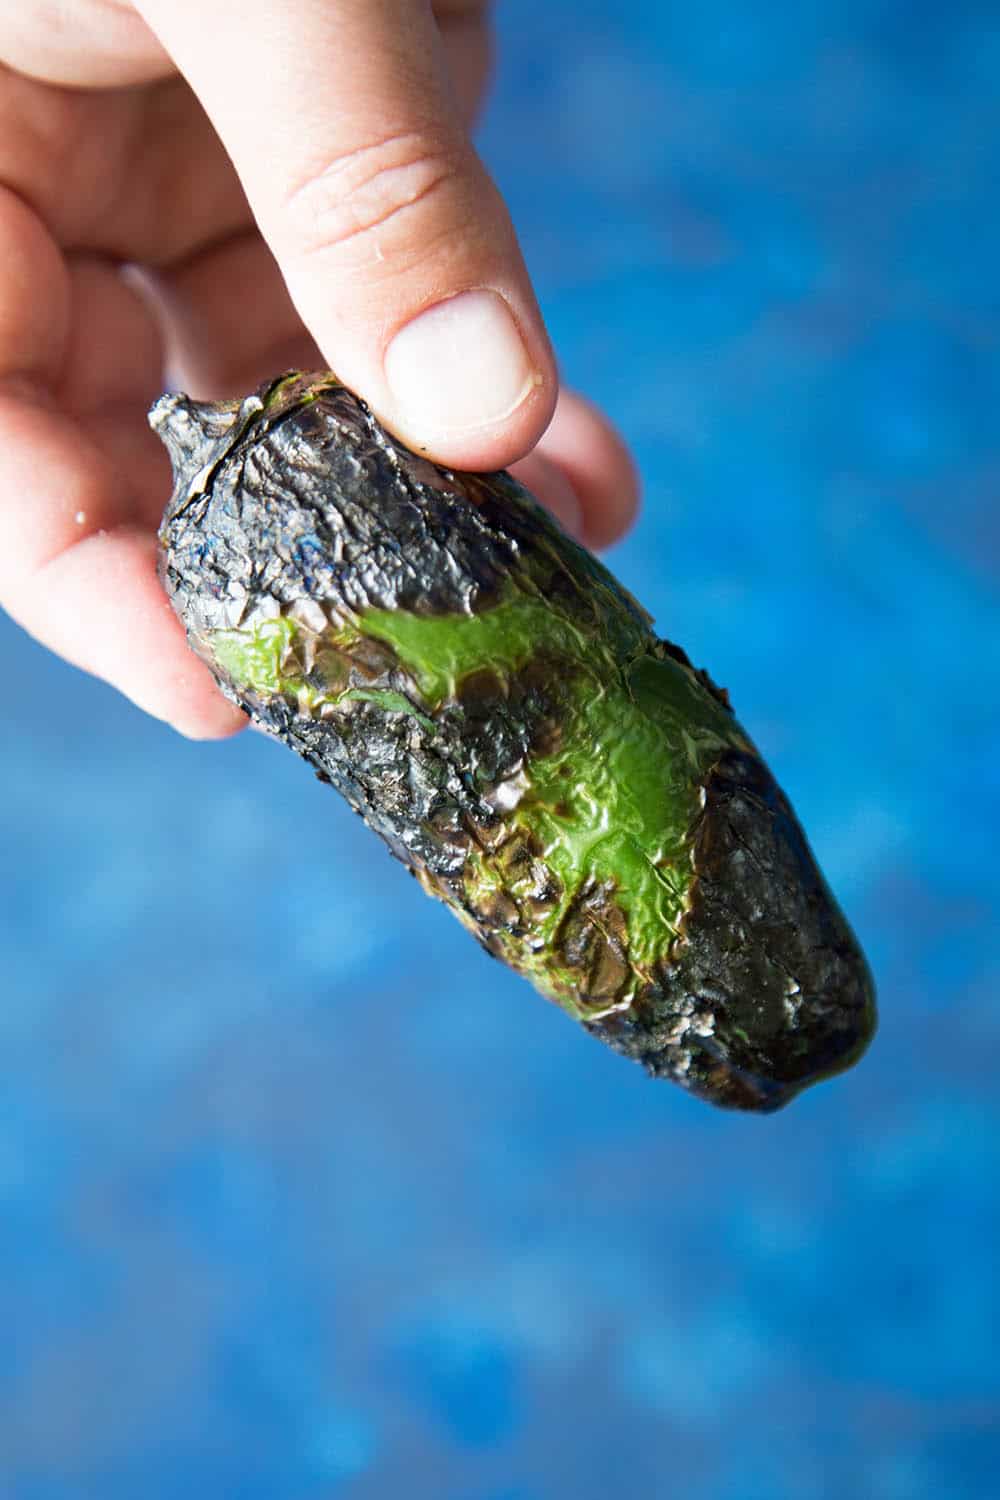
[302, 1197]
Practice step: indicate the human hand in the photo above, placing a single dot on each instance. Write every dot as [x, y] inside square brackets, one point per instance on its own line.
[260, 171]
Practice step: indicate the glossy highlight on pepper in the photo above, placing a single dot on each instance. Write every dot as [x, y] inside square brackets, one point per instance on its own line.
[499, 709]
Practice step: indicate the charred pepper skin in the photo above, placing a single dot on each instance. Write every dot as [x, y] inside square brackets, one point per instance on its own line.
[498, 708]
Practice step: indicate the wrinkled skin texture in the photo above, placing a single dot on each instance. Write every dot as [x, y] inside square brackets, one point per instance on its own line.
[499, 710]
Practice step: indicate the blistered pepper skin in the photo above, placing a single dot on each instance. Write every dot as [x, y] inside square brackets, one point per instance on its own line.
[498, 708]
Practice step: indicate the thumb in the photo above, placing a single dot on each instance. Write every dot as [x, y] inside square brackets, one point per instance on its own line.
[395, 245]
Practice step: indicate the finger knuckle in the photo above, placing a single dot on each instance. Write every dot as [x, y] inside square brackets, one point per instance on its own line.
[351, 202]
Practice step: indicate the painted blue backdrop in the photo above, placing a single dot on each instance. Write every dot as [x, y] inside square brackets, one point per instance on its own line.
[300, 1195]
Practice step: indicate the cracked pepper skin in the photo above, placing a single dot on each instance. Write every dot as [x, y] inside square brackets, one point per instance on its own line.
[497, 707]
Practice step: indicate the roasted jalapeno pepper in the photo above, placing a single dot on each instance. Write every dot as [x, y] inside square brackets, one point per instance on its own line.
[499, 709]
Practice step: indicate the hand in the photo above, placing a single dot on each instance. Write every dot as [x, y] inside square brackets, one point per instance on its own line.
[287, 185]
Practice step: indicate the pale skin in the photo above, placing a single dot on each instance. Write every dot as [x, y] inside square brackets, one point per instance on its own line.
[289, 186]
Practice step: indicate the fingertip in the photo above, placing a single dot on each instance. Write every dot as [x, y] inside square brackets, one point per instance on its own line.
[590, 452]
[130, 637]
[551, 487]
[211, 727]
[195, 707]
[469, 382]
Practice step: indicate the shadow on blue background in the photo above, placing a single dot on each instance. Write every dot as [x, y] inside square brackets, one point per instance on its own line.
[301, 1196]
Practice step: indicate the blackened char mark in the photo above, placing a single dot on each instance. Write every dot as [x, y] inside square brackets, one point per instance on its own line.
[767, 988]
[408, 784]
[591, 945]
[364, 522]
[427, 787]
[313, 498]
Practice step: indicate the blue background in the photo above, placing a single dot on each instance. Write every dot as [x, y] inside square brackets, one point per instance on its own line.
[302, 1197]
